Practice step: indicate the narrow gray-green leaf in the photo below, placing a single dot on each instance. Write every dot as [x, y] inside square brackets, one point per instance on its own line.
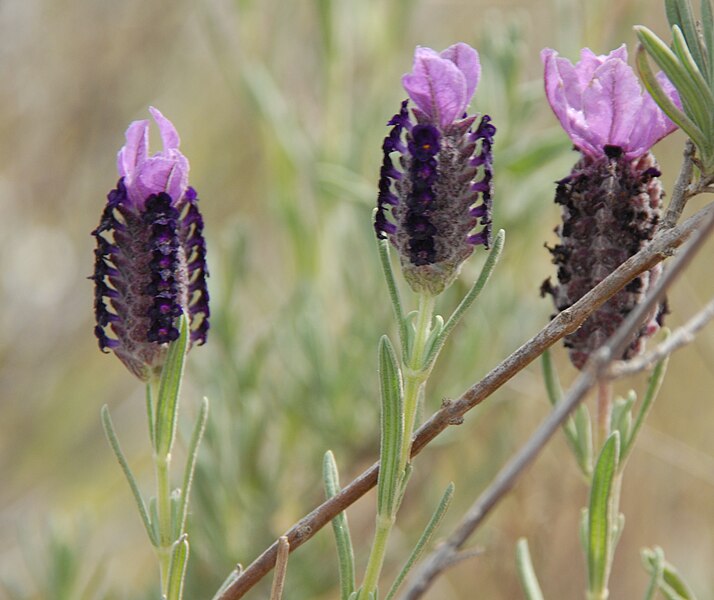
[526, 572]
[680, 14]
[392, 427]
[177, 568]
[654, 383]
[169, 388]
[340, 529]
[383, 246]
[703, 99]
[424, 539]
[670, 63]
[577, 428]
[654, 563]
[600, 517]
[196, 436]
[650, 41]
[708, 34]
[468, 300]
[123, 463]
[672, 580]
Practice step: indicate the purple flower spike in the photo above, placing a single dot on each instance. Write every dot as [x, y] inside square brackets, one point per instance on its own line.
[439, 190]
[151, 255]
[612, 199]
[442, 84]
[599, 102]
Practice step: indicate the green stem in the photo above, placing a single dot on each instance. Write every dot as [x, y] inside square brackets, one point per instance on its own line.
[415, 375]
[163, 504]
[376, 556]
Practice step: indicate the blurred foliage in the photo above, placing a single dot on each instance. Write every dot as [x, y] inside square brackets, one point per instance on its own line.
[282, 109]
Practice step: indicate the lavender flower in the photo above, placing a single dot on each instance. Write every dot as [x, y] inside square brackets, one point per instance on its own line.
[612, 199]
[151, 256]
[429, 206]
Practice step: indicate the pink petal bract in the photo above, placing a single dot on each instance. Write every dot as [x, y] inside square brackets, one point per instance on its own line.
[600, 102]
[441, 85]
[144, 175]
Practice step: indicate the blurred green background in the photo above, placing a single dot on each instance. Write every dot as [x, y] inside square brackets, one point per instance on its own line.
[282, 109]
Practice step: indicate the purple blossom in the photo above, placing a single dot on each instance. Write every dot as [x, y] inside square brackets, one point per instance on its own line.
[439, 189]
[441, 84]
[144, 175]
[600, 103]
[151, 255]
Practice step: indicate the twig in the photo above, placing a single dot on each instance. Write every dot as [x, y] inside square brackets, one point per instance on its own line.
[452, 412]
[596, 368]
[679, 337]
[680, 192]
[281, 569]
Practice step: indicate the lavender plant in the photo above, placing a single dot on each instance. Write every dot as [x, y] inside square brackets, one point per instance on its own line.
[428, 208]
[434, 208]
[151, 305]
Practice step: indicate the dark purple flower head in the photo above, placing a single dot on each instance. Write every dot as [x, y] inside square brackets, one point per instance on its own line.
[600, 103]
[151, 256]
[440, 187]
[611, 201]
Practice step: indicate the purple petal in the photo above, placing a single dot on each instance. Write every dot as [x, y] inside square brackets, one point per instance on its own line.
[136, 148]
[644, 138]
[144, 175]
[169, 135]
[599, 102]
[437, 87]
[611, 103]
[467, 61]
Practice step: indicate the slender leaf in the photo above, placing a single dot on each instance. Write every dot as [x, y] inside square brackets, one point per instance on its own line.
[340, 529]
[116, 447]
[670, 63]
[392, 428]
[703, 99]
[667, 578]
[394, 296]
[169, 388]
[654, 383]
[469, 299]
[177, 568]
[196, 436]
[680, 15]
[577, 429]
[621, 418]
[526, 572]
[661, 53]
[708, 35]
[424, 539]
[600, 517]
[654, 563]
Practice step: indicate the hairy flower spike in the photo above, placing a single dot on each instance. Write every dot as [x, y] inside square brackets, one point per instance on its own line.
[150, 261]
[611, 201]
[440, 190]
